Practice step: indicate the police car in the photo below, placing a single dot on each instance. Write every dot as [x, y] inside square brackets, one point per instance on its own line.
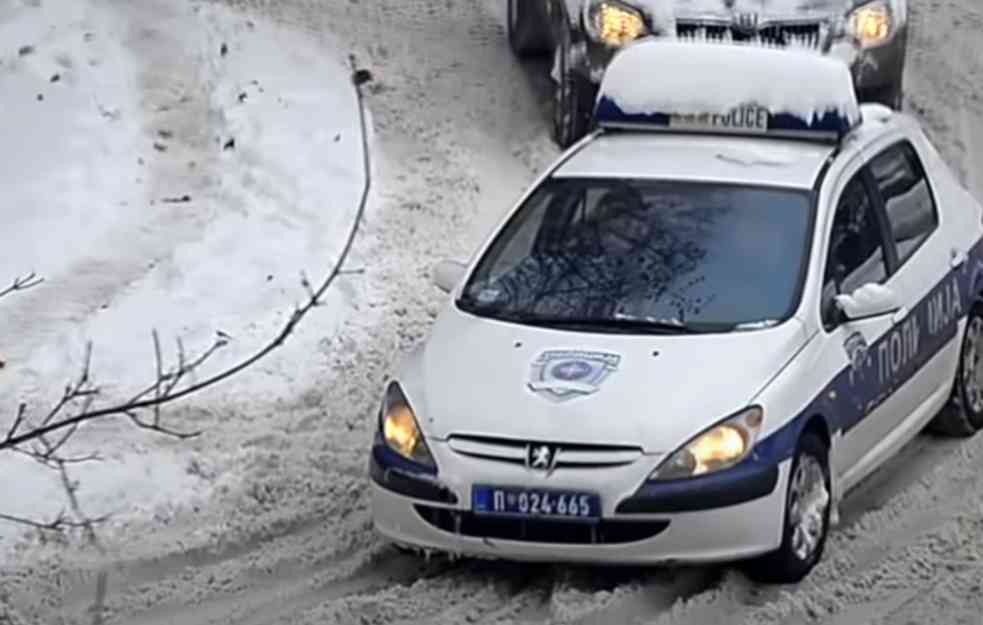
[703, 325]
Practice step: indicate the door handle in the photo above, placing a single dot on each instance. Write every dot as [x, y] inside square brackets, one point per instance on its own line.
[899, 315]
[957, 258]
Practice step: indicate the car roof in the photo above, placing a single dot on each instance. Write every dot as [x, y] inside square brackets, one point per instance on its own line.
[710, 158]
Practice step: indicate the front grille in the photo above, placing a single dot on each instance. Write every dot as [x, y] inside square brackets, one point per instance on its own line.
[602, 532]
[568, 455]
[808, 34]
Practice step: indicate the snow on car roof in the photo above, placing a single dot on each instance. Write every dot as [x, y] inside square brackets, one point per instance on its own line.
[737, 160]
[654, 79]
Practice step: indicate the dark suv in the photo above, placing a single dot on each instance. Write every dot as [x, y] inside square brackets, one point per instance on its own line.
[583, 35]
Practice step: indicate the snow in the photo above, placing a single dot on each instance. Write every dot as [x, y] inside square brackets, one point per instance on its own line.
[279, 530]
[708, 77]
[143, 113]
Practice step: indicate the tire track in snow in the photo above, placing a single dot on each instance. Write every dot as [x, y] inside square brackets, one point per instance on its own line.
[266, 599]
[119, 259]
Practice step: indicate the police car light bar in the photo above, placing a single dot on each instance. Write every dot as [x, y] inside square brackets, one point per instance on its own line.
[723, 88]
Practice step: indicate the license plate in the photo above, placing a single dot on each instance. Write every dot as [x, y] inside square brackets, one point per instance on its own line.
[741, 119]
[535, 502]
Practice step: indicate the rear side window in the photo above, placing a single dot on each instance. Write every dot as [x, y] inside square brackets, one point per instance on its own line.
[911, 210]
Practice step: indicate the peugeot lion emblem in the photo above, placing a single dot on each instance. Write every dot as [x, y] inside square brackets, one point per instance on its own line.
[563, 374]
[542, 457]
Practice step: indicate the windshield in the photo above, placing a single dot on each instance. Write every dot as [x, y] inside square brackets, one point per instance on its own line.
[631, 254]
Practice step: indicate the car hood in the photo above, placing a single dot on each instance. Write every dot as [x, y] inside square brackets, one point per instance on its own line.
[473, 378]
[778, 9]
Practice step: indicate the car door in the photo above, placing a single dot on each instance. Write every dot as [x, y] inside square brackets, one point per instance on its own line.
[857, 254]
[912, 361]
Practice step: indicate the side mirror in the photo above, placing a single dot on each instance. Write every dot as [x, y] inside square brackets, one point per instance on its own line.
[870, 300]
[447, 273]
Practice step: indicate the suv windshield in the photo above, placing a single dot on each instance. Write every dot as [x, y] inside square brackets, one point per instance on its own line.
[646, 255]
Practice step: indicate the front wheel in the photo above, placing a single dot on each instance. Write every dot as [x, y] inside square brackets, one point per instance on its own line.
[573, 102]
[806, 525]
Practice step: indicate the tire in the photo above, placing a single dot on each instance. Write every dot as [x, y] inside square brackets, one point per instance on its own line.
[962, 416]
[794, 558]
[573, 102]
[528, 30]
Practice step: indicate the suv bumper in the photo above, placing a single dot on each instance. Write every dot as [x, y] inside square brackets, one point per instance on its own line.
[875, 71]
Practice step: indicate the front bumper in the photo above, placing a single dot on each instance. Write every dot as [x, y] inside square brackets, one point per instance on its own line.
[874, 70]
[638, 526]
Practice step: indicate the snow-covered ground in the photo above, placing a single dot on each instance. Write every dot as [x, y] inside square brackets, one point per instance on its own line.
[264, 519]
[157, 182]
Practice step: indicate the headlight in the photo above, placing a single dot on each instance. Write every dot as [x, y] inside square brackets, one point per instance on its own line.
[399, 429]
[720, 447]
[871, 24]
[613, 22]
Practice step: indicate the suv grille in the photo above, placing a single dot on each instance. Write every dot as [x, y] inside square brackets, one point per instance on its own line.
[808, 34]
[569, 456]
[603, 532]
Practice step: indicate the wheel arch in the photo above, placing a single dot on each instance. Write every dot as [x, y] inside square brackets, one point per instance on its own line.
[818, 425]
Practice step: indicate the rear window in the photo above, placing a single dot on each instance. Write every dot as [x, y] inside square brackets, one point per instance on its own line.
[911, 210]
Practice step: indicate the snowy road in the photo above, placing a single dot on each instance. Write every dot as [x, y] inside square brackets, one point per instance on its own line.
[461, 128]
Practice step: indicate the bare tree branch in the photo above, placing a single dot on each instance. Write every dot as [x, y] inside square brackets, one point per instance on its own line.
[58, 523]
[18, 420]
[22, 283]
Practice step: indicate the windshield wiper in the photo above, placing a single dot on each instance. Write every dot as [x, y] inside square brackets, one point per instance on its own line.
[647, 326]
[643, 325]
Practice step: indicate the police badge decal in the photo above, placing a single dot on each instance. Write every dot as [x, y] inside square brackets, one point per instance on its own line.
[564, 374]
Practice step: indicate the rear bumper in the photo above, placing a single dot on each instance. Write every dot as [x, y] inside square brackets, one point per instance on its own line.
[740, 518]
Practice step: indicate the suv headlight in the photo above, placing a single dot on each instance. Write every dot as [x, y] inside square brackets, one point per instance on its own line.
[399, 429]
[721, 447]
[872, 24]
[612, 22]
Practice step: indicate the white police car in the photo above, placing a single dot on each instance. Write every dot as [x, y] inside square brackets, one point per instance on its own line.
[705, 323]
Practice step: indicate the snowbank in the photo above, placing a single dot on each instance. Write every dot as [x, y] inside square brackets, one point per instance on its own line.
[174, 167]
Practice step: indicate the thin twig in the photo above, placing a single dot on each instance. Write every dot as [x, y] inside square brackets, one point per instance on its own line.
[18, 420]
[160, 372]
[23, 283]
[58, 523]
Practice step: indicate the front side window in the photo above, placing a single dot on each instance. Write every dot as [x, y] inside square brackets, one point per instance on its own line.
[643, 254]
[856, 246]
[908, 200]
